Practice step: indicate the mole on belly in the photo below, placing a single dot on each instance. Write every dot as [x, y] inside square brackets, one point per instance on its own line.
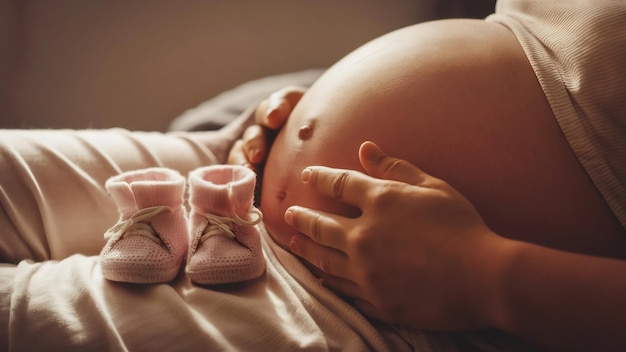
[306, 131]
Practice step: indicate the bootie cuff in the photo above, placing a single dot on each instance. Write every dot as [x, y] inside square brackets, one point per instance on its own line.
[222, 190]
[144, 188]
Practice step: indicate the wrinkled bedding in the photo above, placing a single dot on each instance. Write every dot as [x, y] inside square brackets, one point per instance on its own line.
[52, 293]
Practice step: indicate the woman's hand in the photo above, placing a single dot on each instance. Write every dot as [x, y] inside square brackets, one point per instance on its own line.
[419, 254]
[271, 114]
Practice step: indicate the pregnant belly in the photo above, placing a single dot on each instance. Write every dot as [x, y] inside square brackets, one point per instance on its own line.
[459, 100]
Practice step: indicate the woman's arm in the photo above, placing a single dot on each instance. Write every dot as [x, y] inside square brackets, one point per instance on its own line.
[563, 300]
[420, 255]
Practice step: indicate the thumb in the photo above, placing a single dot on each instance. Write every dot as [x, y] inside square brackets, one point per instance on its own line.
[379, 165]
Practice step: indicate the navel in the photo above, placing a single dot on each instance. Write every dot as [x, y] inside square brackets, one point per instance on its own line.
[306, 131]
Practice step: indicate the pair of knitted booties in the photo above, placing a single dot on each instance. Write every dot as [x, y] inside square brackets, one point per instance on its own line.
[154, 235]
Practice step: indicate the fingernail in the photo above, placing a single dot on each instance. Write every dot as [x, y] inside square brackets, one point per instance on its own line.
[289, 217]
[293, 245]
[255, 155]
[273, 106]
[306, 174]
[272, 121]
[371, 152]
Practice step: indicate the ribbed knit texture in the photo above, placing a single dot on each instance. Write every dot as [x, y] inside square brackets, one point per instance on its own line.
[578, 52]
[134, 257]
[226, 191]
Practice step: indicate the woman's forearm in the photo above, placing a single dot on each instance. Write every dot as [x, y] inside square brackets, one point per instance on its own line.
[563, 300]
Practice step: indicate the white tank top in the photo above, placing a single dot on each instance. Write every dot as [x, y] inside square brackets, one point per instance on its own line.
[577, 49]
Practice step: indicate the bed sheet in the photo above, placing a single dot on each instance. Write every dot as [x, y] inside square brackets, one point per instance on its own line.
[67, 305]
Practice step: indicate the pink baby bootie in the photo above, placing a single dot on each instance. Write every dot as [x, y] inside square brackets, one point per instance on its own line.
[149, 242]
[225, 246]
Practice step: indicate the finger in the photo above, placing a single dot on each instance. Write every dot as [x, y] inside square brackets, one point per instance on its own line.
[328, 260]
[274, 111]
[377, 164]
[261, 112]
[237, 156]
[255, 144]
[323, 228]
[293, 94]
[347, 186]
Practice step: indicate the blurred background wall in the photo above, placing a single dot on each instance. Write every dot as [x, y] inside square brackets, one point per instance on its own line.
[138, 64]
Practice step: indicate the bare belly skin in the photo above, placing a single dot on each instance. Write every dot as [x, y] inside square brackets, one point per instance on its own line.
[458, 99]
